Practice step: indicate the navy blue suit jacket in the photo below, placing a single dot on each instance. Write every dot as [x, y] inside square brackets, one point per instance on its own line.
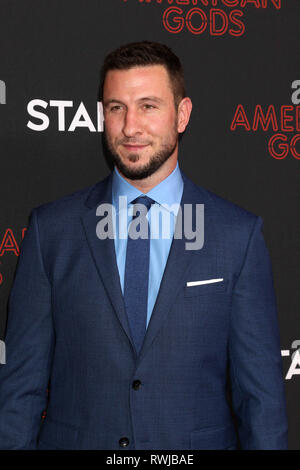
[67, 324]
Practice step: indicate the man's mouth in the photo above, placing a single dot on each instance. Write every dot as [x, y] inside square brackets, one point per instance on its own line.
[135, 146]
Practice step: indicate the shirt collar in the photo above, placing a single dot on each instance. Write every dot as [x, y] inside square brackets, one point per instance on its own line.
[168, 191]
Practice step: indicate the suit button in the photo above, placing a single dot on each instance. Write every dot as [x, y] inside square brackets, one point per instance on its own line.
[136, 384]
[124, 441]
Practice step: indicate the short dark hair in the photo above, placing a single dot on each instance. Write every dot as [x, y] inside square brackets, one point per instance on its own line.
[142, 54]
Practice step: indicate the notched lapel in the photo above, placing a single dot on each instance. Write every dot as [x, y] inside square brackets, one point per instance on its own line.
[178, 263]
[103, 251]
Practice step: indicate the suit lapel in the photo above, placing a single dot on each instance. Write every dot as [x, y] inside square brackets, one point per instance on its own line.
[177, 264]
[103, 251]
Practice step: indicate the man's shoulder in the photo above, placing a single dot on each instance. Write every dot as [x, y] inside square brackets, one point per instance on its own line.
[233, 223]
[62, 216]
[220, 208]
[73, 203]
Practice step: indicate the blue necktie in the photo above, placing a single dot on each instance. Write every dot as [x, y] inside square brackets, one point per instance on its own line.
[137, 275]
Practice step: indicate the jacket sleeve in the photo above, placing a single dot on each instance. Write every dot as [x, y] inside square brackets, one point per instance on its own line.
[29, 347]
[254, 352]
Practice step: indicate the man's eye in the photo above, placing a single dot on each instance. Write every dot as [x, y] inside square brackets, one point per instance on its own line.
[116, 108]
[149, 106]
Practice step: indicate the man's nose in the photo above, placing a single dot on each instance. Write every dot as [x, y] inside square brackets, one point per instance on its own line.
[132, 123]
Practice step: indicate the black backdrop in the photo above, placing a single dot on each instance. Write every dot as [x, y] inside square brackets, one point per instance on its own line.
[241, 61]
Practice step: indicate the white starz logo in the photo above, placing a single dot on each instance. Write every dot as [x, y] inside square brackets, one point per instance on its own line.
[294, 368]
[81, 117]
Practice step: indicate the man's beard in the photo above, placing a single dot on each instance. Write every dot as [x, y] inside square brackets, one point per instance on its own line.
[155, 161]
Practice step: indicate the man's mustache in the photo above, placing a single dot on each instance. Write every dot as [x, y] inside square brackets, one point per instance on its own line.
[132, 142]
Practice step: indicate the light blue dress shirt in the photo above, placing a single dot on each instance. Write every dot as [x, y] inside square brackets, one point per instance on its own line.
[161, 218]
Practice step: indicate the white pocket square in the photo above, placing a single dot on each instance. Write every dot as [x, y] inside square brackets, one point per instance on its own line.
[199, 283]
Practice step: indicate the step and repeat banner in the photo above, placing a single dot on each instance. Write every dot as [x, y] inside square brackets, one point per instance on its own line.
[241, 62]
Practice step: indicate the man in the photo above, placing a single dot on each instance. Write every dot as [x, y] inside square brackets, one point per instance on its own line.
[142, 338]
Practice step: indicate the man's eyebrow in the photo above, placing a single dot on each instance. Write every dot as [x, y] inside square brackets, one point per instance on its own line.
[146, 98]
[151, 98]
[106, 103]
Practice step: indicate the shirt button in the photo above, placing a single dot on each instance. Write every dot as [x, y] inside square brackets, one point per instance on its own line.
[136, 384]
[124, 441]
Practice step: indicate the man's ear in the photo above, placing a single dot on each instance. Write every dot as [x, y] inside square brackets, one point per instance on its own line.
[184, 112]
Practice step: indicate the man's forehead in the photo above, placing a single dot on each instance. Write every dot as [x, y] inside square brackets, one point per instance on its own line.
[152, 76]
[140, 70]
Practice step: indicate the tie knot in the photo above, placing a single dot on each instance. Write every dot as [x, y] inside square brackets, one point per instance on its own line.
[145, 200]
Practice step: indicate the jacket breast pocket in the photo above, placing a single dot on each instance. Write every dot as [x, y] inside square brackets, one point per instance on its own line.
[205, 289]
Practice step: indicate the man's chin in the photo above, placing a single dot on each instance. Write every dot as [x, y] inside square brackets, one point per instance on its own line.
[136, 172]
[133, 168]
